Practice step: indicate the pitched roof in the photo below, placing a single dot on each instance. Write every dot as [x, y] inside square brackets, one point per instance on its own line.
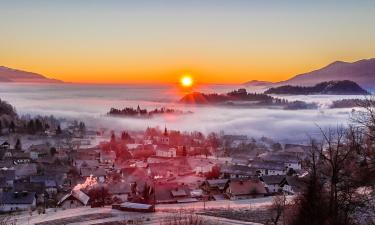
[18, 197]
[178, 193]
[217, 183]
[25, 169]
[8, 174]
[119, 188]
[27, 186]
[293, 181]
[108, 156]
[238, 169]
[96, 172]
[272, 179]
[246, 187]
[267, 165]
[76, 194]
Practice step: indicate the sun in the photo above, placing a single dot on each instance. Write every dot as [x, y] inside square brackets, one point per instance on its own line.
[186, 81]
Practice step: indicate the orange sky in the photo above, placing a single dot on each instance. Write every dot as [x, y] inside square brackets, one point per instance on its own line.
[128, 42]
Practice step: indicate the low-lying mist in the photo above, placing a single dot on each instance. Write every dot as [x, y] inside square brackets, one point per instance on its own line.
[91, 102]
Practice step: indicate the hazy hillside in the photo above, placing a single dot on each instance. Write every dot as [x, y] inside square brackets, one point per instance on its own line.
[14, 75]
[362, 72]
[257, 83]
[345, 87]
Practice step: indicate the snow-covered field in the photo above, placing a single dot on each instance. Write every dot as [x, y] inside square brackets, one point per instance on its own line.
[88, 215]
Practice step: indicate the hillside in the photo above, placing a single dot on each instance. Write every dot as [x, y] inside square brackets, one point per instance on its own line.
[345, 87]
[14, 75]
[241, 98]
[257, 83]
[362, 72]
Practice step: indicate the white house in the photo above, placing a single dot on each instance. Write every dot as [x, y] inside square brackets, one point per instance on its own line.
[74, 199]
[268, 168]
[272, 183]
[169, 152]
[108, 158]
[17, 201]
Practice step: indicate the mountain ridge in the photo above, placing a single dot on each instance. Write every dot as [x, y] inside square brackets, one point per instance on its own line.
[361, 72]
[344, 87]
[11, 75]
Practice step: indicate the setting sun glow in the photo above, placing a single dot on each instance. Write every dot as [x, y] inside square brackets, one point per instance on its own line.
[186, 81]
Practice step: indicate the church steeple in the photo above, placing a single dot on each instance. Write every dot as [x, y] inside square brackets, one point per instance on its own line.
[138, 109]
[165, 131]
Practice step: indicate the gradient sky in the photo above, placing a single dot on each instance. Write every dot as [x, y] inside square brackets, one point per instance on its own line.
[230, 41]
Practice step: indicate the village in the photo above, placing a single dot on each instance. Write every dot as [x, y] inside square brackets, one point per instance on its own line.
[71, 166]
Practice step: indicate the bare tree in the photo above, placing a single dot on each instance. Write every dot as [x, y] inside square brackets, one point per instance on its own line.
[183, 219]
[277, 208]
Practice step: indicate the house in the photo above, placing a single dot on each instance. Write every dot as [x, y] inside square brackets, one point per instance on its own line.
[240, 161]
[75, 199]
[237, 171]
[5, 146]
[166, 152]
[108, 157]
[50, 186]
[49, 182]
[39, 153]
[8, 176]
[243, 189]
[135, 175]
[134, 207]
[161, 170]
[26, 185]
[157, 159]
[21, 157]
[291, 185]
[268, 167]
[272, 182]
[97, 172]
[17, 201]
[289, 159]
[25, 170]
[172, 193]
[214, 187]
[201, 165]
[78, 164]
[301, 151]
[120, 191]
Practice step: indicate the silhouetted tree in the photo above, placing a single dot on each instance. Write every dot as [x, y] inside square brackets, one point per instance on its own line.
[58, 130]
[18, 145]
[52, 151]
[12, 127]
[184, 151]
[31, 127]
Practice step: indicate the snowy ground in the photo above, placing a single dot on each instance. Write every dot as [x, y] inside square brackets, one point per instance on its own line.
[87, 215]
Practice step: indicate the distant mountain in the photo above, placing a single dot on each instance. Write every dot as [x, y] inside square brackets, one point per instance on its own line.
[344, 87]
[257, 83]
[14, 75]
[362, 72]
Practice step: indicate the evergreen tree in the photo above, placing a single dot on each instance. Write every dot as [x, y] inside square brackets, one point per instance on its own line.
[82, 127]
[31, 127]
[18, 145]
[12, 127]
[52, 151]
[38, 126]
[58, 130]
